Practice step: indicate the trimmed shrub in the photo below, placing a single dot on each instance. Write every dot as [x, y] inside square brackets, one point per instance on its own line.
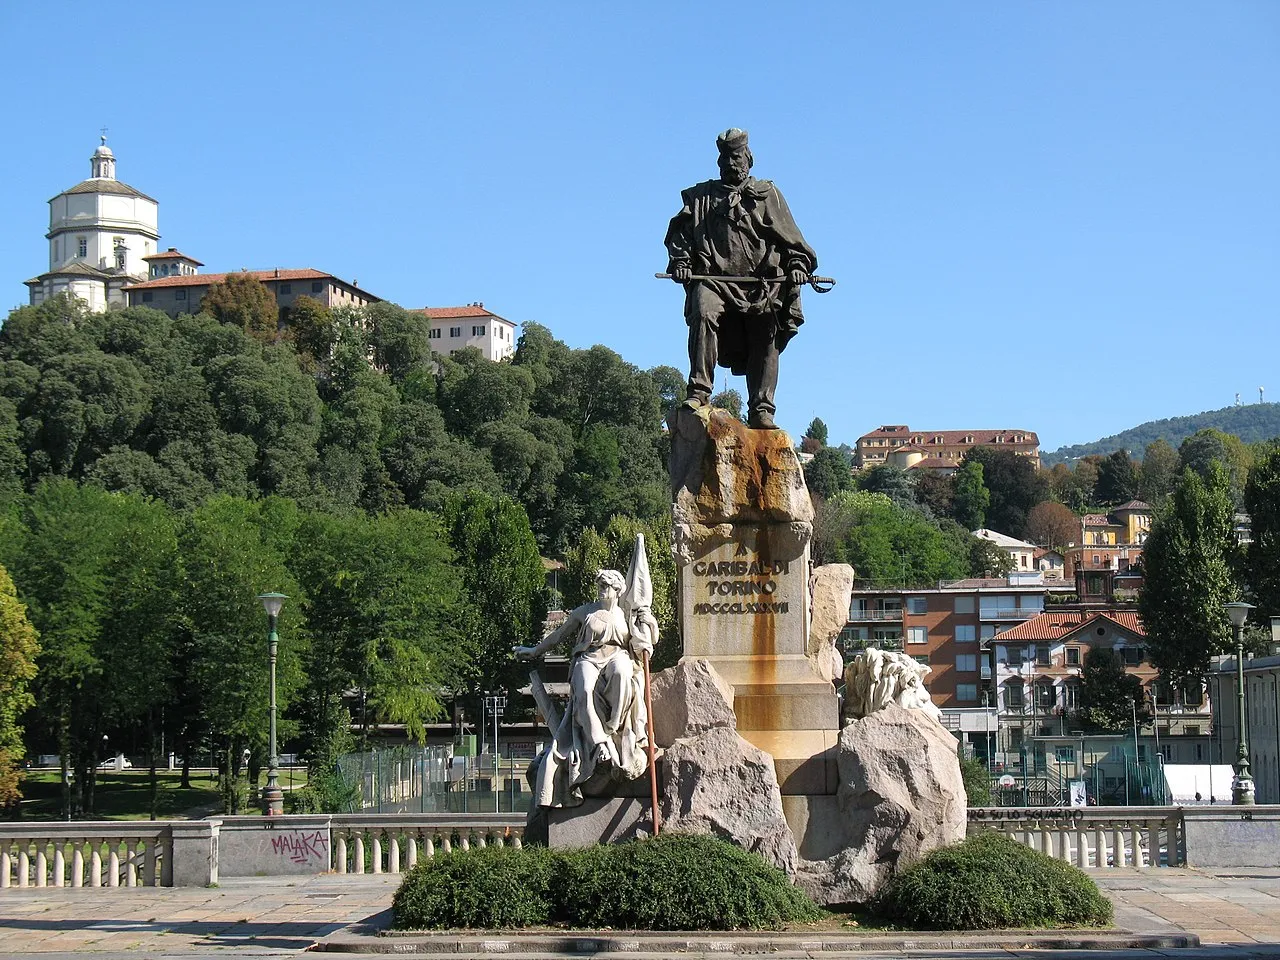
[675, 882]
[669, 883]
[989, 881]
[489, 887]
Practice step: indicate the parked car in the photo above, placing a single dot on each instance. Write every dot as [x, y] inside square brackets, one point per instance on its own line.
[110, 763]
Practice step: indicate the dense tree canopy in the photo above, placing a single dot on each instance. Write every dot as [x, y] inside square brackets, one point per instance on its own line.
[1015, 486]
[18, 650]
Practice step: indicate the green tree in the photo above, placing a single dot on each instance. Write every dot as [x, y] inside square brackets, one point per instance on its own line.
[314, 332]
[892, 481]
[671, 387]
[243, 301]
[935, 492]
[504, 580]
[1209, 446]
[18, 651]
[828, 473]
[971, 498]
[1117, 479]
[817, 430]
[399, 339]
[886, 542]
[1189, 564]
[1262, 503]
[1015, 486]
[730, 401]
[1158, 473]
[1109, 695]
[234, 551]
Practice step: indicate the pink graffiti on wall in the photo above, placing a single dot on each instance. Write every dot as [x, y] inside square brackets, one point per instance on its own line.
[302, 846]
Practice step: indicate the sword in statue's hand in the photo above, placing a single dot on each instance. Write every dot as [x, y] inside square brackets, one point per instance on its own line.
[819, 284]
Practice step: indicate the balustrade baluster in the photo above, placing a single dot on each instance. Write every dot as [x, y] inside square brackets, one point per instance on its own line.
[42, 862]
[24, 864]
[429, 846]
[1117, 842]
[113, 863]
[480, 838]
[516, 840]
[413, 849]
[95, 864]
[359, 851]
[446, 842]
[393, 854]
[464, 840]
[59, 863]
[1082, 846]
[77, 862]
[1135, 837]
[377, 852]
[340, 852]
[6, 864]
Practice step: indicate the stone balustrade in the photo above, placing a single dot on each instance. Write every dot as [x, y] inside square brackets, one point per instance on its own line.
[393, 843]
[187, 853]
[86, 854]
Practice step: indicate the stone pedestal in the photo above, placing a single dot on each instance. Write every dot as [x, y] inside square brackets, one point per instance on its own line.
[742, 525]
[195, 852]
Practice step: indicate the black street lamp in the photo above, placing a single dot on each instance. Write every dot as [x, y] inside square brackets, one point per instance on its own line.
[1242, 786]
[272, 796]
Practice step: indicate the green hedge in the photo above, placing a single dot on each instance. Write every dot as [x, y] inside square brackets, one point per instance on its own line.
[989, 881]
[672, 882]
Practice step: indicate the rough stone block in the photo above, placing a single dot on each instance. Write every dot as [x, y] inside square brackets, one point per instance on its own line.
[598, 820]
[832, 594]
[689, 698]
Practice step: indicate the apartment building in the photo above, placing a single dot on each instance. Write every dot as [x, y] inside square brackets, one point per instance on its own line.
[453, 328]
[899, 445]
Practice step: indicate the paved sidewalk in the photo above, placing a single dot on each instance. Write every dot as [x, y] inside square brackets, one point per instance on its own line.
[281, 916]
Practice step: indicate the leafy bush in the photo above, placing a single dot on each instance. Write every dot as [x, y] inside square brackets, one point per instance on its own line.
[977, 780]
[485, 887]
[669, 883]
[989, 881]
[675, 882]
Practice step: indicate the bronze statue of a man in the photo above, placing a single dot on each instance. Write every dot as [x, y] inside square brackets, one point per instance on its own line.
[738, 227]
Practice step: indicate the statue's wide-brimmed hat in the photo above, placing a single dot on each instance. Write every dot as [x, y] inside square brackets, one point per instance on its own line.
[731, 140]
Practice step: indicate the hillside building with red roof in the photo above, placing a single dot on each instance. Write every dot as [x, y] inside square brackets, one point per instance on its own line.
[455, 328]
[943, 450]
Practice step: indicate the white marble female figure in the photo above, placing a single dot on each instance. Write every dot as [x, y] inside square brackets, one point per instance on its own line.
[602, 736]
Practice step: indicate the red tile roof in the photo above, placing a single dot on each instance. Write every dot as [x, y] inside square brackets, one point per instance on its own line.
[173, 255]
[1133, 505]
[206, 279]
[1054, 625]
[470, 311]
[954, 437]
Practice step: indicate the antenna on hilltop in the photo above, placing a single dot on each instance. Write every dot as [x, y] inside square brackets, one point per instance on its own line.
[1260, 389]
[1237, 399]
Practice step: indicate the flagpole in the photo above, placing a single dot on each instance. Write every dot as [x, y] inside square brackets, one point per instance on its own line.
[653, 762]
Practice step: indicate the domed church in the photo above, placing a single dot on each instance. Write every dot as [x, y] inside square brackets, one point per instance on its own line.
[100, 232]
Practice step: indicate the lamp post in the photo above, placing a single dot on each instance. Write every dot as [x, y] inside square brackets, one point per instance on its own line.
[1242, 786]
[272, 796]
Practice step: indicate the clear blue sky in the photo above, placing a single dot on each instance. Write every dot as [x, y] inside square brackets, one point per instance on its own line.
[1058, 216]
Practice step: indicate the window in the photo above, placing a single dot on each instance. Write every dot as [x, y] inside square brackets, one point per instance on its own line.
[1071, 696]
[286, 288]
[916, 605]
[1064, 754]
[147, 296]
[966, 663]
[1132, 656]
[316, 286]
[1046, 696]
[964, 604]
[1073, 656]
[478, 331]
[434, 333]
[455, 331]
[1014, 657]
[988, 631]
[179, 294]
[967, 692]
[1193, 695]
[82, 245]
[1192, 729]
[966, 633]
[1042, 655]
[917, 635]
[1013, 695]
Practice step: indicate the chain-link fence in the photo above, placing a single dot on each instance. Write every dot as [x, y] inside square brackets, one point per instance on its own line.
[435, 780]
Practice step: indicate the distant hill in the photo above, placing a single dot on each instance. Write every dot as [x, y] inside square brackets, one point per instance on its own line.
[1251, 423]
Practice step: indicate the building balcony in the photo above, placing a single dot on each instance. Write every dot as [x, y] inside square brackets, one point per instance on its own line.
[1008, 613]
[857, 615]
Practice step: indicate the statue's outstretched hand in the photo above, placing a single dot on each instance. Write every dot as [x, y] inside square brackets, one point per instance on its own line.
[524, 653]
[798, 277]
[681, 272]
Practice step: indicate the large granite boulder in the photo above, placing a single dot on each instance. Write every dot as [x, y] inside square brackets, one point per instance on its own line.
[900, 796]
[717, 783]
[832, 592]
[689, 699]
